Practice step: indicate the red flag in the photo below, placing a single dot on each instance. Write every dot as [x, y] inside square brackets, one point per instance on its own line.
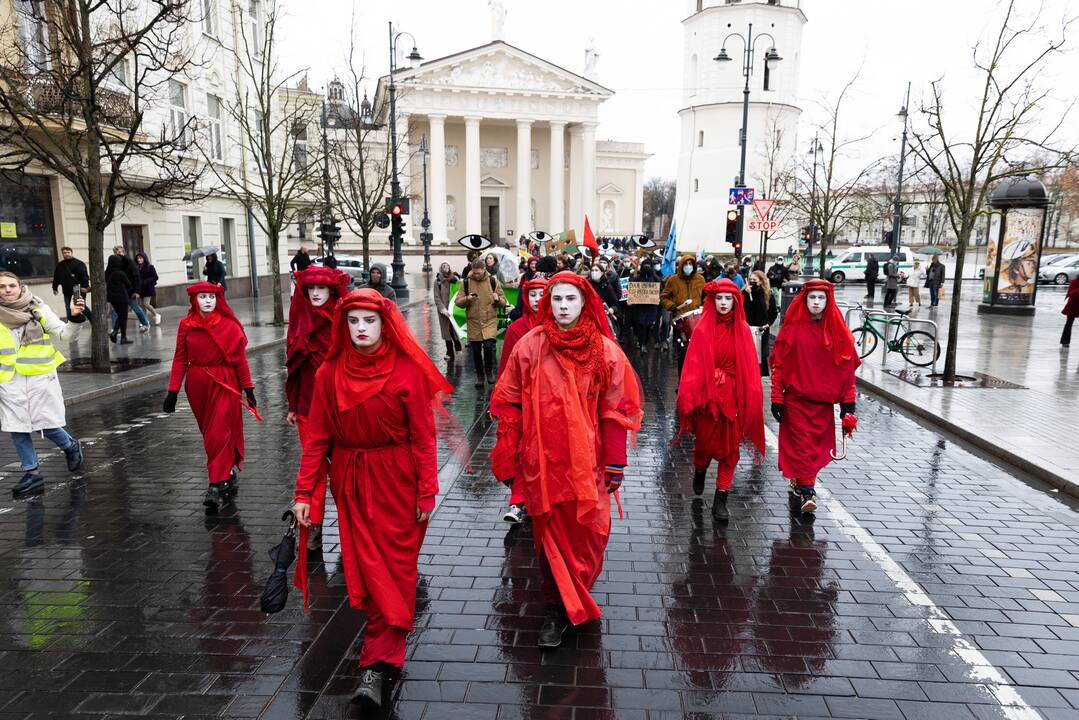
[590, 239]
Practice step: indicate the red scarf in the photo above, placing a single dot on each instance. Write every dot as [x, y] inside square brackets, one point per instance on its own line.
[582, 345]
[358, 377]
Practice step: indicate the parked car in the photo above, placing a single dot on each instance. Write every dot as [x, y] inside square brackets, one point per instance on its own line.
[850, 264]
[353, 265]
[1054, 258]
[1059, 273]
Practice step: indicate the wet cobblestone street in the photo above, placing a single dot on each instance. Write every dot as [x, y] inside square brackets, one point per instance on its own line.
[933, 584]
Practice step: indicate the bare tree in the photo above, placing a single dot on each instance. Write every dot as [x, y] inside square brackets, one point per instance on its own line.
[831, 203]
[658, 203]
[968, 162]
[77, 95]
[278, 178]
[776, 185]
[359, 155]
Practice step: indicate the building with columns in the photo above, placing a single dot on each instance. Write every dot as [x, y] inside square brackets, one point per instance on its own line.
[512, 148]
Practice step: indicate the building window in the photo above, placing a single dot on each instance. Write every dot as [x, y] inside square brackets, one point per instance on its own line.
[27, 235]
[209, 17]
[254, 32]
[700, 138]
[299, 149]
[213, 122]
[33, 35]
[191, 225]
[178, 112]
[117, 78]
[696, 184]
[767, 76]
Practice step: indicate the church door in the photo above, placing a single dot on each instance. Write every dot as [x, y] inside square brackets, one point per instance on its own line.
[489, 221]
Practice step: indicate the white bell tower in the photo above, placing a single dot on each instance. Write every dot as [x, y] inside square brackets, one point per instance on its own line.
[711, 114]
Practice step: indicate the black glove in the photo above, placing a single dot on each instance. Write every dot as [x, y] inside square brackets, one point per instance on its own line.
[846, 409]
[170, 401]
[250, 393]
[778, 410]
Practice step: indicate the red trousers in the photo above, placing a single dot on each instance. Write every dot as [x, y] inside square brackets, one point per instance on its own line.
[571, 558]
[382, 642]
[702, 457]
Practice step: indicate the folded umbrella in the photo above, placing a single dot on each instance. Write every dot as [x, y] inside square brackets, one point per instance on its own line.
[275, 592]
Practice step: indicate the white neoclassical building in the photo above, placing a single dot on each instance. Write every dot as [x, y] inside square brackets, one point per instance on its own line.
[512, 148]
[711, 114]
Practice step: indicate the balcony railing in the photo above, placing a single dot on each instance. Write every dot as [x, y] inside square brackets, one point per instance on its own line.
[112, 107]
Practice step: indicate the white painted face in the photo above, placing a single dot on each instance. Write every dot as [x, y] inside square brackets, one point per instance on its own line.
[724, 303]
[816, 301]
[319, 295]
[207, 302]
[567, 302]
[365, 329]
[534, 297]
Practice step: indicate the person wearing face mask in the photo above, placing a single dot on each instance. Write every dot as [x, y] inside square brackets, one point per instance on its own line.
[568, 393]
[683, 291]
[31, 399]
[720, 399]
[813, 366]
[372, 430]
[445, 278]
[644, 318]
[532, 291]
[481, 297]
[211, 364]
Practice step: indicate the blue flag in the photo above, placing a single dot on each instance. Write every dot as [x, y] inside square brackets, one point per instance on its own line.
[670, 254]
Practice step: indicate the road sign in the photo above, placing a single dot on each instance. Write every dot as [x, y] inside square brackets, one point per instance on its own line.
[740, 196]
[763, 207]
[762, 225]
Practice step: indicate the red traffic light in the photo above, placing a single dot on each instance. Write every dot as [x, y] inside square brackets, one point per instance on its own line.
[732, 215]
[396, 210]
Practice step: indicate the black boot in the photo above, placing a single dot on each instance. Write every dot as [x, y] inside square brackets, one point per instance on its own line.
[555, 624]
[449, 350]
[719, 506]
[31, 481]
[370, 693]
[212, 500]
[698, 481]
[230, 487]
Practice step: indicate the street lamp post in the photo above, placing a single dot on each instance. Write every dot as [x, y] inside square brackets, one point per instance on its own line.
[815, 151]
[327, 205]
[397, 233]
[749, 43]
[426, 222]
[897, 216]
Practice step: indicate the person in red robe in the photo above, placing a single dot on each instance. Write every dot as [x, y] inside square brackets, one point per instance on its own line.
[211, 363]
[813, 366]
[371, 427]
[532, 290]
[720, 399]
[565, 404]
[310, 323]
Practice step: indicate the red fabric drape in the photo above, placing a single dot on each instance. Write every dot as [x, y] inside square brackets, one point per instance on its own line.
[309, 333]
[719, 395]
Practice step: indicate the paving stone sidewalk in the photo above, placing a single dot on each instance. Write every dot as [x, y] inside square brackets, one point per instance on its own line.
[933, 584]
[1032, 427]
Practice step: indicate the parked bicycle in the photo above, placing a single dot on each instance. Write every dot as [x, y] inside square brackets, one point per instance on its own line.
[918, 347]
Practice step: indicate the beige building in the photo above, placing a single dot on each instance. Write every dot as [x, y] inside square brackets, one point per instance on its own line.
[512, 148]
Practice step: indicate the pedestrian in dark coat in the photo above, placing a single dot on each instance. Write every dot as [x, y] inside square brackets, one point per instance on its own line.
[147, 288]
[934, 280]
[69, 274]
[872, 273]
[214, 270]
[891, 281]
[446, 277]
[118, 289]
[761, 312]
[645, 318]
[1070, 311]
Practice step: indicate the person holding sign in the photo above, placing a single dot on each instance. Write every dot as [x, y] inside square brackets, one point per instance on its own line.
[644, 313]
[720, 399]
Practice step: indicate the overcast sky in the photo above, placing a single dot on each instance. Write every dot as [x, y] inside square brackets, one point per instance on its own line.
[640, 47]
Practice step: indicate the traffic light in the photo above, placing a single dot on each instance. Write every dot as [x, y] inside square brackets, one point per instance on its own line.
[732, 227]
[738, 248]
[397, 210]
[329, 233]
[807, 234]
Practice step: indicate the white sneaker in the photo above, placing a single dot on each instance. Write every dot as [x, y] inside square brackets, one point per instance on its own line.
[515, 514]
[143, 328]
[157, 319]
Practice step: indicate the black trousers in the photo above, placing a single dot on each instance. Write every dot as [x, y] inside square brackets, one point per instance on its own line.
[870, 288]
[483, 357]
[889, 296]
[1066, 336]
[121, 317]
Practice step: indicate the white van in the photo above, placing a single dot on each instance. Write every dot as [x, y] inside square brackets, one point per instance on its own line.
[850, 264]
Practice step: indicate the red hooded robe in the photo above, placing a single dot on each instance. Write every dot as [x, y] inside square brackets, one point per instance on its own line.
[372, 428]
[309, 335]
[719, 395]
[813, 366]
[520, 327]
[565, 403]
[211, 363]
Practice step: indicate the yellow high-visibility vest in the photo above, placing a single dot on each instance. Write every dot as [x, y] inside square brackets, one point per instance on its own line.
[33, 358]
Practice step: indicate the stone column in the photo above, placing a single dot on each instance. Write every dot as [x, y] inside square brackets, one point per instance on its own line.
[638, 200]
[588, 179]
[557, 189]
[437, 147]
[575, 219]
[524, 178]
[472, 175]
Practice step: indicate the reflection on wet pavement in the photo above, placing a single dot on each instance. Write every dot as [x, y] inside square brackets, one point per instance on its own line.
[119, 597]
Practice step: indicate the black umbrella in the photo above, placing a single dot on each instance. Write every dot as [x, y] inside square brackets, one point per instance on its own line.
[275, 592]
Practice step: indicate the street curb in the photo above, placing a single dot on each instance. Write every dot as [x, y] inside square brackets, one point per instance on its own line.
[1065, 485]
[129, 387]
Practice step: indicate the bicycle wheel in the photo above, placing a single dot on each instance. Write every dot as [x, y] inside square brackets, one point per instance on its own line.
[865, 340]
[919, 348]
